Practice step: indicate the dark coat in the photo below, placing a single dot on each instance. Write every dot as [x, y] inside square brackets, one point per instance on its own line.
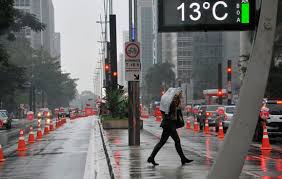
[168, 121]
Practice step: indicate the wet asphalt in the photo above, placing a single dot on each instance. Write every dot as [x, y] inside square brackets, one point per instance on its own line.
[130, 162]
[61, 154]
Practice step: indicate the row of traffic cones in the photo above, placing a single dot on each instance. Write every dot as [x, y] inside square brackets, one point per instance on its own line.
[265, 140]
[31, 138]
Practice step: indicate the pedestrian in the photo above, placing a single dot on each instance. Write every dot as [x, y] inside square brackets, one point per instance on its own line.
[172, 119]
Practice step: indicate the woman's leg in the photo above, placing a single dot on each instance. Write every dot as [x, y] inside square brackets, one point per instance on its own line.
[178, 147]
[175, 137]
[160, 144]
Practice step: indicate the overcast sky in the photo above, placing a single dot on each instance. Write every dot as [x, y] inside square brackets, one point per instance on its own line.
[76, 21]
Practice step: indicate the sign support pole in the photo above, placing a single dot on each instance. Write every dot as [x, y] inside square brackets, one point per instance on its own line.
[133, 87]
[239, 137]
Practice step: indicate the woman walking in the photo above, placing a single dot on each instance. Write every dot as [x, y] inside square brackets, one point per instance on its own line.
[172, 119]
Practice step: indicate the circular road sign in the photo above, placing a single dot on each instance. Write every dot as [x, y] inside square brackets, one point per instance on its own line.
[132, 50]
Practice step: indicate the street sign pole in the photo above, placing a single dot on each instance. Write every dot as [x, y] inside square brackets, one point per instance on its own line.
[219, 83]
[133, 87]
[239, 137]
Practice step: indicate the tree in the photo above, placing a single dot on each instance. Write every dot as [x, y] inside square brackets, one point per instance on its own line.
[157, 77]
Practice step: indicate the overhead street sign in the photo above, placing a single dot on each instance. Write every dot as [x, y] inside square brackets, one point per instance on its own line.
[132, 51]
[204, 15]
[132, 61]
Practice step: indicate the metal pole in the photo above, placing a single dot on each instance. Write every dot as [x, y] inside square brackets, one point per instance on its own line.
[133, 88]
[220, 83]
[239, 137]
[229, 82]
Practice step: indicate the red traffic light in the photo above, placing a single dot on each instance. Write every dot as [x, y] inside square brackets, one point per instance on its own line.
[107, 67]
[229, 69]
[115, 74]
[219, 92]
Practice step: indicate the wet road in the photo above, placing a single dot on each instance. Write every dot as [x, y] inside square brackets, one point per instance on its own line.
[61, 154]
[130, 162]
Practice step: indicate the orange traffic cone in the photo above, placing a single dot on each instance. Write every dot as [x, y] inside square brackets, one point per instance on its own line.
[207, 128]
[57, 123]
[188, 124]
[51, 126]
[31, 139]
[265, 145]
[196, 125]
[220, 133]
[2, 159]
[158, 118]
[39, 132]
[46, 129]
[21, 144]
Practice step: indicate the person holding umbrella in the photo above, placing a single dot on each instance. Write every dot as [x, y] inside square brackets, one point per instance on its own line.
[172, 119]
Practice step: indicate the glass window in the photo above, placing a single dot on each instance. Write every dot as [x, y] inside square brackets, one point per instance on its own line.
[27, 2]
[17, 2]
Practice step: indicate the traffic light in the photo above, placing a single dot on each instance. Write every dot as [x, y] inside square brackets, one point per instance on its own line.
[219, 92]
[229, 82]
[229, 70]
[107, 67]
[115, 74]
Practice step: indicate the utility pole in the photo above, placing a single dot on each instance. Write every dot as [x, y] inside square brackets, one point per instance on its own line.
[219, 83]
[133, 86]
[229, 82]
[113, 51]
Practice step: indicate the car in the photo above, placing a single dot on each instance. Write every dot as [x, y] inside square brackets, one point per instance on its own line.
[5, 121]
[273, 123]
[207, 112]
[44, 113]
[228, 117]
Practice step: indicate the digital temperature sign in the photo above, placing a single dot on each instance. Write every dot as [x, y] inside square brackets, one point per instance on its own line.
[204, 15]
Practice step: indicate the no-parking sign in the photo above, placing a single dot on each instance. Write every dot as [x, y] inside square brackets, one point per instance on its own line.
[132, 61]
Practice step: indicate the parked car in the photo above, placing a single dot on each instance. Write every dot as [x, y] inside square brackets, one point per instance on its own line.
[228, 117]
[5, 121]
[273, 123]
[207, 112]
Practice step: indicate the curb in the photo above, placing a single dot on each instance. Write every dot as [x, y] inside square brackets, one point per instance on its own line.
[111, 171]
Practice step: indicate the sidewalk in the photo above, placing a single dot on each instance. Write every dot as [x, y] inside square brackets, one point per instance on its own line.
[131, 162]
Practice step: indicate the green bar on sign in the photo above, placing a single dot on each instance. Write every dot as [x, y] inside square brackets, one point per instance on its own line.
[245, 13]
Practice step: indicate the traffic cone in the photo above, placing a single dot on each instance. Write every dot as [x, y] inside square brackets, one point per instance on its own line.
[207, 128]
[51, 126]
[2, 159]
[265, 145]
[39, 132]
[188, 124]
[196, 125]
[57, 123]
[158, 118]
[220, 133]
[31, 139]
[21, 143]
[46, 129]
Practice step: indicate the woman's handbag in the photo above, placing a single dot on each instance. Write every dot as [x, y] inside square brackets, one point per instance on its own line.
[179, 122]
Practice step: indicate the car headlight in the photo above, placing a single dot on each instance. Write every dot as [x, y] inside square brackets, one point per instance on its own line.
[48, 121]
[48, 114]
[39, 114]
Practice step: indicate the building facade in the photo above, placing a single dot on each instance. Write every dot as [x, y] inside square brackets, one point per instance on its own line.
[44, 11]
[207, 54]
[145, 36]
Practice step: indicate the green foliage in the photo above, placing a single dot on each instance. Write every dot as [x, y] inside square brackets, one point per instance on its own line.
[116, 102]
[156, 76]
[6, 15]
